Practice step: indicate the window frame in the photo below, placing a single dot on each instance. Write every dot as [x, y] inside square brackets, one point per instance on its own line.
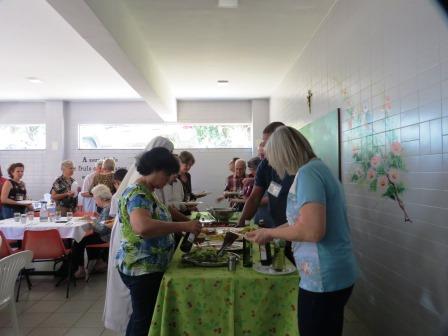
[249, 146]
[26, 125]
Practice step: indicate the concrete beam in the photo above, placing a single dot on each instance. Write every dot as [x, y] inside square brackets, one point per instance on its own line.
[110, 30]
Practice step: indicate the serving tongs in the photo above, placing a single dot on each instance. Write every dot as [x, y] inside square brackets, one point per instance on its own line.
[229, 239]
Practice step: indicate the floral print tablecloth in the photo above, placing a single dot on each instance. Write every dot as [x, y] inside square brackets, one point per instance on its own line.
[196, 301]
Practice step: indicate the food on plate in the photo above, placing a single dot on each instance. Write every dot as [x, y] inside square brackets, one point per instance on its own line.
[246, 229]
[207, 254]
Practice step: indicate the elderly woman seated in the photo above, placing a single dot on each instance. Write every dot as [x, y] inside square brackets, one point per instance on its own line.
[101, 231]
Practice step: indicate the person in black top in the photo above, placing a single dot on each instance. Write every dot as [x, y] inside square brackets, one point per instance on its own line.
[14, 191]
[186, 162]
[277, 189]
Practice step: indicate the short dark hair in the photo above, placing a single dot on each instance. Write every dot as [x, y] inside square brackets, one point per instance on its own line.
[120, 174]
[13, 167]
[186, 157]
[269, 129]
[157, 159]
[253, 163]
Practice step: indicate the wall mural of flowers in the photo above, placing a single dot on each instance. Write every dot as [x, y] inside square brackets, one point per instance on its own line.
[380, 170]
[377, 160]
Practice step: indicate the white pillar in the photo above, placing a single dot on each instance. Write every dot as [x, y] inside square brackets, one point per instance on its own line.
[55, 126]
[260, 119]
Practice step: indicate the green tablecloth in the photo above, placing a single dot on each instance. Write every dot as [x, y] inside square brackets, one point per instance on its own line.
[213, 301]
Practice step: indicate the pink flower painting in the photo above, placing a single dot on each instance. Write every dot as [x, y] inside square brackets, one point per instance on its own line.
[381, 172]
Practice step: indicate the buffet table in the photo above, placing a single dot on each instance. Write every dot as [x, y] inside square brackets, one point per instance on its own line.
[213, 301]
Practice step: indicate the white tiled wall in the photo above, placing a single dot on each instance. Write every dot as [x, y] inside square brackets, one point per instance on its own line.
[388, 61]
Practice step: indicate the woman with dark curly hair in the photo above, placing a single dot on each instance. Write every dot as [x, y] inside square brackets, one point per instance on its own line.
[147, 242]
[13, 191]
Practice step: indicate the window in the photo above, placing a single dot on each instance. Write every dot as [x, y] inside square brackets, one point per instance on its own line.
[22, 137]
[137, 136]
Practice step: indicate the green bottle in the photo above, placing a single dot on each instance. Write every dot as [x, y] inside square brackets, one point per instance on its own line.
[247, 253]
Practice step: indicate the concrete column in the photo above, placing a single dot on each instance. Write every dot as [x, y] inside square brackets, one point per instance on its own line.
[55, 126]
[260, 119]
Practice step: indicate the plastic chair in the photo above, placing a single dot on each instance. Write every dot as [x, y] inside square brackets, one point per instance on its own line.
[10, 267]
[47, 245]
[5, 248]
[100, 246]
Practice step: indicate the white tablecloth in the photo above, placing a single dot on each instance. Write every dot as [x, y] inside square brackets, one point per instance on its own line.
[14, 231]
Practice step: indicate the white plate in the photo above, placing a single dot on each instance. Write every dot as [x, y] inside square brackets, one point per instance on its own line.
[236, 246]
[289, 269]
[26, 202]
[201, 194]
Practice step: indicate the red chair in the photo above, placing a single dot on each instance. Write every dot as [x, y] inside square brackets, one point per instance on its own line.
[5, 248]
[47, 246]
[100, 246]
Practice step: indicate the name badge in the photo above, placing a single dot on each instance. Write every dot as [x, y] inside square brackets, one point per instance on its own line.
[274, 189]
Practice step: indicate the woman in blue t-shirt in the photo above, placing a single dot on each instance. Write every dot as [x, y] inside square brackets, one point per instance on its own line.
[318, 227]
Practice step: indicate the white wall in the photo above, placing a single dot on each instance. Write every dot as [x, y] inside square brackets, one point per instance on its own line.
[37, 177]
[385, 64]
[62, 119]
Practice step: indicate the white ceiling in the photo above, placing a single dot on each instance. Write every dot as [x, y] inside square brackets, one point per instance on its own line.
[195, 43]
[35, 41]
[189, 44]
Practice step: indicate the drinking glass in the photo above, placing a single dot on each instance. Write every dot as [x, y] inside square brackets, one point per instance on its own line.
[30, 215]
[58, 215]
[69, 216]
[17, 217]
[23, 219]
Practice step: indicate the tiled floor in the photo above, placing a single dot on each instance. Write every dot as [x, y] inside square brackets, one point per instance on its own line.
[44, 311]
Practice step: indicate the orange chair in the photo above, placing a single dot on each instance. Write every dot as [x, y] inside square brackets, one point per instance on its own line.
[5, 248]
[47, 246]
[99, 246]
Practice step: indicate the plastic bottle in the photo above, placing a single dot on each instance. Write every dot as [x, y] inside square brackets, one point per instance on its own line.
[43, 215]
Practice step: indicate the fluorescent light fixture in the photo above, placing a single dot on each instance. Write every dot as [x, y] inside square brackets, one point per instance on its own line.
[228, 3]
[223, 82]
[34, 80]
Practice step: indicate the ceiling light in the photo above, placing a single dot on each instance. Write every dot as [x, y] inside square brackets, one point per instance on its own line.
[223, 82]
[34, 80]
[228, 3]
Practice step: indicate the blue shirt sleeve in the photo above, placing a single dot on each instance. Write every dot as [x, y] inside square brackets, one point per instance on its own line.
[139, 202]
[260, 177]
[310, 187]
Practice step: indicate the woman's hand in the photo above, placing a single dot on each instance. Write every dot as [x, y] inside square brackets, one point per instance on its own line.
[193, 227]
[69, 194]
[248, 180]
[261, 236]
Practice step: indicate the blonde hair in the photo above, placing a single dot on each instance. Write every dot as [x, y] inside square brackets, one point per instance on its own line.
[287, 150]
[99, 163]
[240, 161]
[109, 164]
[102, 191]
[66, 163]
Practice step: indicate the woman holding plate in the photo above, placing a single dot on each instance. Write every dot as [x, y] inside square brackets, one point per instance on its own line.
[61, 192]
[318, 227]
[13, 192]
